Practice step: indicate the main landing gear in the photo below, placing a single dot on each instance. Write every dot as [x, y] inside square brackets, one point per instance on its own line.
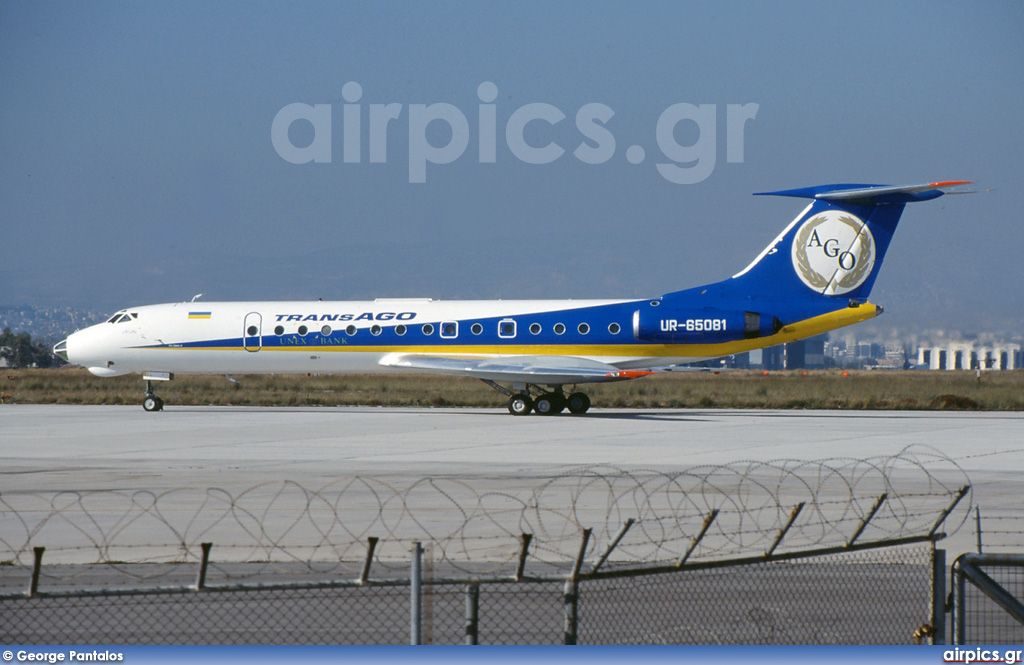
[533, 398]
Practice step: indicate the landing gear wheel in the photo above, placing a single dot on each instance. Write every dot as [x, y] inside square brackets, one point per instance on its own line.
[153, 403]
[520, 405]
[579, 403]
[549, 404]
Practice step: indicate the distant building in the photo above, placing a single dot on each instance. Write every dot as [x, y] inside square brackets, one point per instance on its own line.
[967, 355]
[773, 357]
[806, 353]
[820, 352]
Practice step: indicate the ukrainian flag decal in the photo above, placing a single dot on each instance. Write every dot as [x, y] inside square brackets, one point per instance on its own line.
[199, 315]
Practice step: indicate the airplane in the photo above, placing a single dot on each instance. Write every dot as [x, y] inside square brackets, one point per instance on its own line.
[814, 277]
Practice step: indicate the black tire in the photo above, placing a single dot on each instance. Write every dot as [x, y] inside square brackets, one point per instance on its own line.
[549, 404]
[520, 405]
[579, 403]
[152, 403]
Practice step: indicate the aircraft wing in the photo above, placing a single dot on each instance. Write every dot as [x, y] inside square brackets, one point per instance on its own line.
[549, 370]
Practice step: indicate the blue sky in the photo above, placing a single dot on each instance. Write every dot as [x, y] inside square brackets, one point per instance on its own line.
[137, 166]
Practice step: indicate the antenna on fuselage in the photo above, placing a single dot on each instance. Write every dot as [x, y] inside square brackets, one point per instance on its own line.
[196, 297]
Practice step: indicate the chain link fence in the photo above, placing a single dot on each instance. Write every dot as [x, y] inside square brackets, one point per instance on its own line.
[868, 597]
[987, 599]
[875, 596]
[836, 551]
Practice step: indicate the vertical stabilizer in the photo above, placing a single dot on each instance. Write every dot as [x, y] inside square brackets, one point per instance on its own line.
[836, 246]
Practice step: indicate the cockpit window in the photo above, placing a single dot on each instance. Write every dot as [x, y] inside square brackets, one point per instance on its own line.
[123, 317]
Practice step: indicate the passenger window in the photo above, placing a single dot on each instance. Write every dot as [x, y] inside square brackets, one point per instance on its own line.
[477, 328]
[428, 329]
[614, 328]
[449, 329]
[506, 328]
[559, 328]
[584, 328]
[535, 328]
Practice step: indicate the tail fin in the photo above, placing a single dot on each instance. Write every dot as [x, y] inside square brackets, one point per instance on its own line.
[835, 247]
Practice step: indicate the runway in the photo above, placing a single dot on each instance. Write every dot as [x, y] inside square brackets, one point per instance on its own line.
[85, 448]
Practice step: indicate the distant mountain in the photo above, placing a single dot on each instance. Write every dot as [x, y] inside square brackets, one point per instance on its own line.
[47, 324]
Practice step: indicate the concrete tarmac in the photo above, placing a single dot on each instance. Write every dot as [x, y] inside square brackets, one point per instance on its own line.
[80, 448]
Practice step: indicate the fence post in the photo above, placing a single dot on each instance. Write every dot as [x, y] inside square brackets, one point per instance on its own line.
[938, 596]
[959, 620]
[571, 595]
[977, 526]
[784, 530]
[416, 591]
[945, 513]
[523, 552]
[37, 565]
[372, 545]
[867, 518]
[472, 613]
[571, 598]
[203, 564]
[612, 545]
[699, 537]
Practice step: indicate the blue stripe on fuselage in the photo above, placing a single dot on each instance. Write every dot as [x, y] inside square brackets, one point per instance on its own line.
[599, 320]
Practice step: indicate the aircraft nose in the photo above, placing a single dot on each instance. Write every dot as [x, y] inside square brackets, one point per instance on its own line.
[94, 350]
[61, 350]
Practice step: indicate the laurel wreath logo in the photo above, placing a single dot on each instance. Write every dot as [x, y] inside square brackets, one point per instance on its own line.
[803, 264]
[863, 253]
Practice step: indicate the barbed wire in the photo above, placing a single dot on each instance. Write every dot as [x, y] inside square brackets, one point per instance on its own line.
[476, 525]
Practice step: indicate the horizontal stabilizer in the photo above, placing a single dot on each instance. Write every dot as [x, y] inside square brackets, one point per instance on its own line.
[871, 194]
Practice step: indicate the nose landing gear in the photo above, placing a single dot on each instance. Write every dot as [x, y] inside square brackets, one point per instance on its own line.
[151, 402]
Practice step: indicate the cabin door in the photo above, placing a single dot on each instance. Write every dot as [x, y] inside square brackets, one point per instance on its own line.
[252, 335]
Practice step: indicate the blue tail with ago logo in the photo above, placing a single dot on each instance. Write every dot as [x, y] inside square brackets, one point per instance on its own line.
[834, 248]
[817, 274]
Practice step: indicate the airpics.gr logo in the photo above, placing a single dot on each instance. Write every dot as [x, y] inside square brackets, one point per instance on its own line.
[833, 252]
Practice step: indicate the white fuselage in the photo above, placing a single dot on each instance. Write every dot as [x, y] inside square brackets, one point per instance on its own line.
[297, 337]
